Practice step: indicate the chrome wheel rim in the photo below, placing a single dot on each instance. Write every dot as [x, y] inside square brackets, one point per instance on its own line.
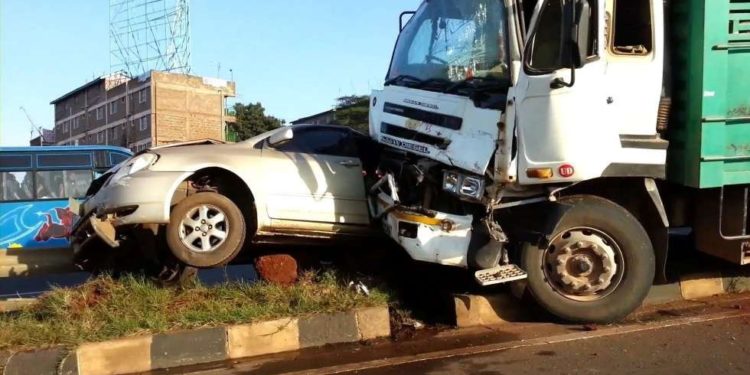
[583, 264]
[204, 228]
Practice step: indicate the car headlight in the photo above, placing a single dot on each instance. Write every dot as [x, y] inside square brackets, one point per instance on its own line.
[463, 185]
[133, 165]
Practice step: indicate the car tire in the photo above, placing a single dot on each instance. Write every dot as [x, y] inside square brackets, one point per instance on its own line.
[555, 270]
[206, 230]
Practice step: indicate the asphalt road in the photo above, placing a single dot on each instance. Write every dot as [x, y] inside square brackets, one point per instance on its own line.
[702, 337]
[715, 347]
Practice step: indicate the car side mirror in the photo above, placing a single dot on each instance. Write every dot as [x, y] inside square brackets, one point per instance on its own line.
[280, 137]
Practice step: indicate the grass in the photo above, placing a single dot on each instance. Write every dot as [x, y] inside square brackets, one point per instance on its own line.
[105, 308]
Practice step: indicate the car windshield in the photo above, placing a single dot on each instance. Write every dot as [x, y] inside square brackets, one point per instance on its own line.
[449, 41]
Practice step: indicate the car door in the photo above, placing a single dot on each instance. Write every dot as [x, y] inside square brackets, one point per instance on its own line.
[315, 177]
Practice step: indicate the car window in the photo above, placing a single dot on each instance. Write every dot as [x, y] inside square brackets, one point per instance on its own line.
[322, 141]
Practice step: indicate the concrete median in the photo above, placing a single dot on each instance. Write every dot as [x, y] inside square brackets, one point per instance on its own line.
[484, 310]
[191, 347]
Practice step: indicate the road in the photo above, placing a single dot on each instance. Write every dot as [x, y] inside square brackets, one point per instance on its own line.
[703, 337]
[715, 347]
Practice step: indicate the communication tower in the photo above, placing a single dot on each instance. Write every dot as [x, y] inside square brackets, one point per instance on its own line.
[149, 35]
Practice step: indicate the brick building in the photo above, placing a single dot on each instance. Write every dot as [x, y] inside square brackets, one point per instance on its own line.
[153, 109]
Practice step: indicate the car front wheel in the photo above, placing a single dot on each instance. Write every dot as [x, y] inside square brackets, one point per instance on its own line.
[206, 230]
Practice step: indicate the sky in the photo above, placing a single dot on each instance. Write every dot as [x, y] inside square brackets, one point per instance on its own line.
[293, 56]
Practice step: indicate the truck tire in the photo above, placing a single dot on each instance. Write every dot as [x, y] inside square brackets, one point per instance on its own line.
[598, 264]
[206, 230]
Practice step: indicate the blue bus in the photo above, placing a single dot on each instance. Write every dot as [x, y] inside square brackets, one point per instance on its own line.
[35, 186]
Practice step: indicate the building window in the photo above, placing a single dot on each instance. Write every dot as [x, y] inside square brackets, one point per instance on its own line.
[100, 137]
[76, 122]
[142, 96]
[112, 107]
[70, 110]
[66, 127]
[114, 133]
[143, 123]
[100, 113]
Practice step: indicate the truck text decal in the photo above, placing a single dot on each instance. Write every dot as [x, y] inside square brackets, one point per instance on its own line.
[409, 146]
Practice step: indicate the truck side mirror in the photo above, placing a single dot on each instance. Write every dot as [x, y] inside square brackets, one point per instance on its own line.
[576, 15]
[401, 19]
[580, 32]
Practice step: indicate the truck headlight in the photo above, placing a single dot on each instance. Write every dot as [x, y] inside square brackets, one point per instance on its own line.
[133, 165]
[463, 185]
[451, 180]
[471, 187]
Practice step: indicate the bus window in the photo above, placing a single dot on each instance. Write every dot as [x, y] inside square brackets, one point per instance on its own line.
[62, 184]
[50, 185]
[77, 183]
[117, 158]
[16, 186]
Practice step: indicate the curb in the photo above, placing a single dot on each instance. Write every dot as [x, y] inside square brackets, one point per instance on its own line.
[483, 310]
[205, 345]
[15, 304]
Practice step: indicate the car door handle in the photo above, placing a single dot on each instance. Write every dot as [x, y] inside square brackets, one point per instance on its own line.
[349, 163]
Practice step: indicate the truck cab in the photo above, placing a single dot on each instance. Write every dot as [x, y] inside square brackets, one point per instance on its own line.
[529, 140]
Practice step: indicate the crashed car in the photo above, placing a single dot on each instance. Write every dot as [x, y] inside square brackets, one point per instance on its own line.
[207, 200]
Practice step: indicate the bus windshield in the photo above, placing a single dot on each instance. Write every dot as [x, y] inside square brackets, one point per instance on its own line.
[450, 41]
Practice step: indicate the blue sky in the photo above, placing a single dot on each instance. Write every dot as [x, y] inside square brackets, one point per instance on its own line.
[293, 56]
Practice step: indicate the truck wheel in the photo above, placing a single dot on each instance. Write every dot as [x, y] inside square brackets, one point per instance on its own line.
[206, 230]
[598, 265]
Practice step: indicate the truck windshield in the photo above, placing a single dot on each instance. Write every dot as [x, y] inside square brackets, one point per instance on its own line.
[448, 42]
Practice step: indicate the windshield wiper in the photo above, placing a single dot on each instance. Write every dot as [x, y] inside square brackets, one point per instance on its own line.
[404, 78]
[478, 83]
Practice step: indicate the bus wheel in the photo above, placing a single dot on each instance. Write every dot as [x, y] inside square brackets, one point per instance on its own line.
[598, 265]
[206, 230]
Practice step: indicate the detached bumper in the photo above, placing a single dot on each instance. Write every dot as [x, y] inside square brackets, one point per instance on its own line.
[428, 236]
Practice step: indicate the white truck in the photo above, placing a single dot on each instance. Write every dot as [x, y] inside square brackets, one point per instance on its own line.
[557, 141]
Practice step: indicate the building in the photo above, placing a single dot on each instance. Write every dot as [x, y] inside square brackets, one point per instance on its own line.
[47, 138]
[322, 118]
[153, 109]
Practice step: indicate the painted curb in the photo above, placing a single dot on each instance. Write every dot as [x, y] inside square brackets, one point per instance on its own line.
[485, 310]
[205, 345]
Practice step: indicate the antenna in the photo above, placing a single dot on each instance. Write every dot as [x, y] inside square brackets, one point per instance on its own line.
[33, 126]
[149, 35]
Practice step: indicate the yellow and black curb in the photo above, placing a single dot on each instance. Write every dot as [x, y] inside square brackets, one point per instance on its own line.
[169, 350]
[479, 310]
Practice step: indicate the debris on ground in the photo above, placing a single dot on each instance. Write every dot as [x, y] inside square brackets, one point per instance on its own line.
[590, 327]
[359, 287]
[277, 268]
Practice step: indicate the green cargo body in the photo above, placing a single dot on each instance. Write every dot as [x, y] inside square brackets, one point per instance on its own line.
[710, 124]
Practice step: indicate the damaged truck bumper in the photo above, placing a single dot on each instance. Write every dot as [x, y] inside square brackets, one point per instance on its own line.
[428, 236]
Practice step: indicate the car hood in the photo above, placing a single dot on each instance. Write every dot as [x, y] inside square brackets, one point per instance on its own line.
[192, 157]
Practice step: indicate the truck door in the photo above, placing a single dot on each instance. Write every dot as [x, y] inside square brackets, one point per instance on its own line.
[562, 132]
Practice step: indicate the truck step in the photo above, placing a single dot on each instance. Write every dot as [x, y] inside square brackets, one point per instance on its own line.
[499, 275]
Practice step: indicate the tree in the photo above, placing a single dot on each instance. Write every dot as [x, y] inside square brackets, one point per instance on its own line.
[353, 111]
[252, 120]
